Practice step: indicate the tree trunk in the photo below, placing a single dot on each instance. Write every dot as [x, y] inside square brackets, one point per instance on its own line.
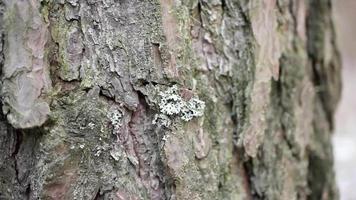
[167, 99]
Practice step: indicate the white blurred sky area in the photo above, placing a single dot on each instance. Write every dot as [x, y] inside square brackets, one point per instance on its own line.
[344, 138]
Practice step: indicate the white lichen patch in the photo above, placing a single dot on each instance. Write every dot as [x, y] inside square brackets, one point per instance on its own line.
[116, 119]
[194, 108]
[162, 119]
[172, 104]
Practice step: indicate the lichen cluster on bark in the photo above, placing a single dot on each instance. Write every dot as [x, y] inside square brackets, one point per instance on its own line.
[167, 99]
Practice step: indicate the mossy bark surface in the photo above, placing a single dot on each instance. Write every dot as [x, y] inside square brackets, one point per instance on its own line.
[167, 99]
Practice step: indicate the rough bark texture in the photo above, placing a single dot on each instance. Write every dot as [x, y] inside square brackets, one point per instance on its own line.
[167, 99]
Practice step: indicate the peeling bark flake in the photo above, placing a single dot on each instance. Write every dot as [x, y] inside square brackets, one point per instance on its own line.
[25, 76]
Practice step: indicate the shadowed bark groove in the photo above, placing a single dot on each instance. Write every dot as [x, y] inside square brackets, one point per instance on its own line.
[167, 99]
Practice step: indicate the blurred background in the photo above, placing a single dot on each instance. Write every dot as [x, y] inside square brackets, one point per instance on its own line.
[345, 132]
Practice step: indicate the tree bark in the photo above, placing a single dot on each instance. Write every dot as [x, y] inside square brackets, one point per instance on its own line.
[167, 99]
